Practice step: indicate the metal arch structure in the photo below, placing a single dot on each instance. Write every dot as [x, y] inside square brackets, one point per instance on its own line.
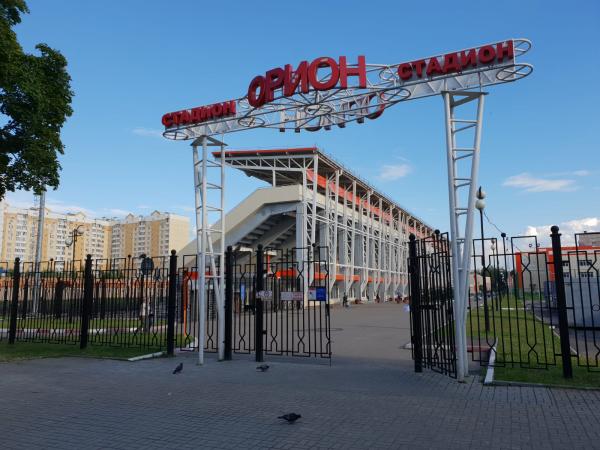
[314, 109]
[318, 96]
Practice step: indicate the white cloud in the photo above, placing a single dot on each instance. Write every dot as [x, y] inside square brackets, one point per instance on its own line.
[184, 208]
[24, 199]
[567, 229]
[117, 212]
[532, 184]
[391, 172]
[582, 173]
[64, 208]
[141, 131]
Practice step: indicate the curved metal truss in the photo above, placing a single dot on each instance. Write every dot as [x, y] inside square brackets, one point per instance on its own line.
[317, 109]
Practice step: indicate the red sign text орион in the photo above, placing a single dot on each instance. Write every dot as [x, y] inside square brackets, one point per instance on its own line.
[326, 73]
[262, 88]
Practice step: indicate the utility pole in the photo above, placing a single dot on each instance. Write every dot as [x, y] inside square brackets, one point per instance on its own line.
[38, 247]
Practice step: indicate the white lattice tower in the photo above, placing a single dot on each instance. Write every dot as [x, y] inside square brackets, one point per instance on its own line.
[209, 184]
[463, 170]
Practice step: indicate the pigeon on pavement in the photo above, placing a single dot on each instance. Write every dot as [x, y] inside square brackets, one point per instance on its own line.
[290, 418]
[263, 368]
[178, 369]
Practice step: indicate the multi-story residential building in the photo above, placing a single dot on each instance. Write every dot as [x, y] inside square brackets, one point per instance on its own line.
[19, 235]
[154, 235]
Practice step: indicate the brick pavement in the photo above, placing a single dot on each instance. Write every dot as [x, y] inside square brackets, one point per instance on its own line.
[361, 401]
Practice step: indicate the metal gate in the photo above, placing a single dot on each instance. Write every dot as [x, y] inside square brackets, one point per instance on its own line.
[283, 292]
[431, 304]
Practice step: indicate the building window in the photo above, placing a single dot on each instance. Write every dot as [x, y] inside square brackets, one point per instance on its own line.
[587, 275]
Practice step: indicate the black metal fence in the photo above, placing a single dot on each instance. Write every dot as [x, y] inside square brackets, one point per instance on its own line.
[120, 302]
[539, 306]
[432, 314]
[529, 306]
[276, 303]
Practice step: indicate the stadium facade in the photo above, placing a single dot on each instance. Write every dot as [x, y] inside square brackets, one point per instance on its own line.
[313, 200]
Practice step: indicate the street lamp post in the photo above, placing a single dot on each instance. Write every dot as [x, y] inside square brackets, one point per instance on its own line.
[480, 205]
[72, 240]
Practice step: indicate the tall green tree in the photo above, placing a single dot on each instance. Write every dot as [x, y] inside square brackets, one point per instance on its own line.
[35, 100]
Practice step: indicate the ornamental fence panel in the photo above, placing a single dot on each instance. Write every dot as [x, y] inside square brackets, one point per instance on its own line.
[151, 303]
[119, 302]
[529, 306]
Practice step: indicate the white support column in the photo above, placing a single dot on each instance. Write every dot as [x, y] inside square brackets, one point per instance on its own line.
[364, 248]
[332, 217]
[390, 260]
[368, 259]
[380, 251]
[353, 235]
[344, 253]
[206, 236]
[302, 233]
[459, 206]
[315, 190]
[201, 223]
[221, 274]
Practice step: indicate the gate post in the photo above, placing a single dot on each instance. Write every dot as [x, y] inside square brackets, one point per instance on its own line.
[415, 303]
[14, 306]
[561, 302]
[88, 292]
[258, 305]
[228, 301]
[171, 303]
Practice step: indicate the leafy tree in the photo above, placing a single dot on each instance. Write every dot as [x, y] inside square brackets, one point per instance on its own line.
[498, 277]
[35, 100]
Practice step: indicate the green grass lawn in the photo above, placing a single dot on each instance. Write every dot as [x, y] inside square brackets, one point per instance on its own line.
[34, 350]
[526, 348]
[552, 376]
[520, 337]
[50, 323]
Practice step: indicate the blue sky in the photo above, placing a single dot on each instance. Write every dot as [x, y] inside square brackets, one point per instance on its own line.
[132, 61]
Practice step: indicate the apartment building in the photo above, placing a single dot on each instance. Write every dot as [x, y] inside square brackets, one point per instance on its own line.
[156, 234]
[103, 238]
[19, 235]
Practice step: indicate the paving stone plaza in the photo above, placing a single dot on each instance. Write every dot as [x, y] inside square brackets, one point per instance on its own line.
[368, 398]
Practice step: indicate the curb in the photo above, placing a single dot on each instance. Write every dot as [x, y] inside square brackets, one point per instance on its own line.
[148, 356]
[489, 375]
[538, 385]
[489, 379]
